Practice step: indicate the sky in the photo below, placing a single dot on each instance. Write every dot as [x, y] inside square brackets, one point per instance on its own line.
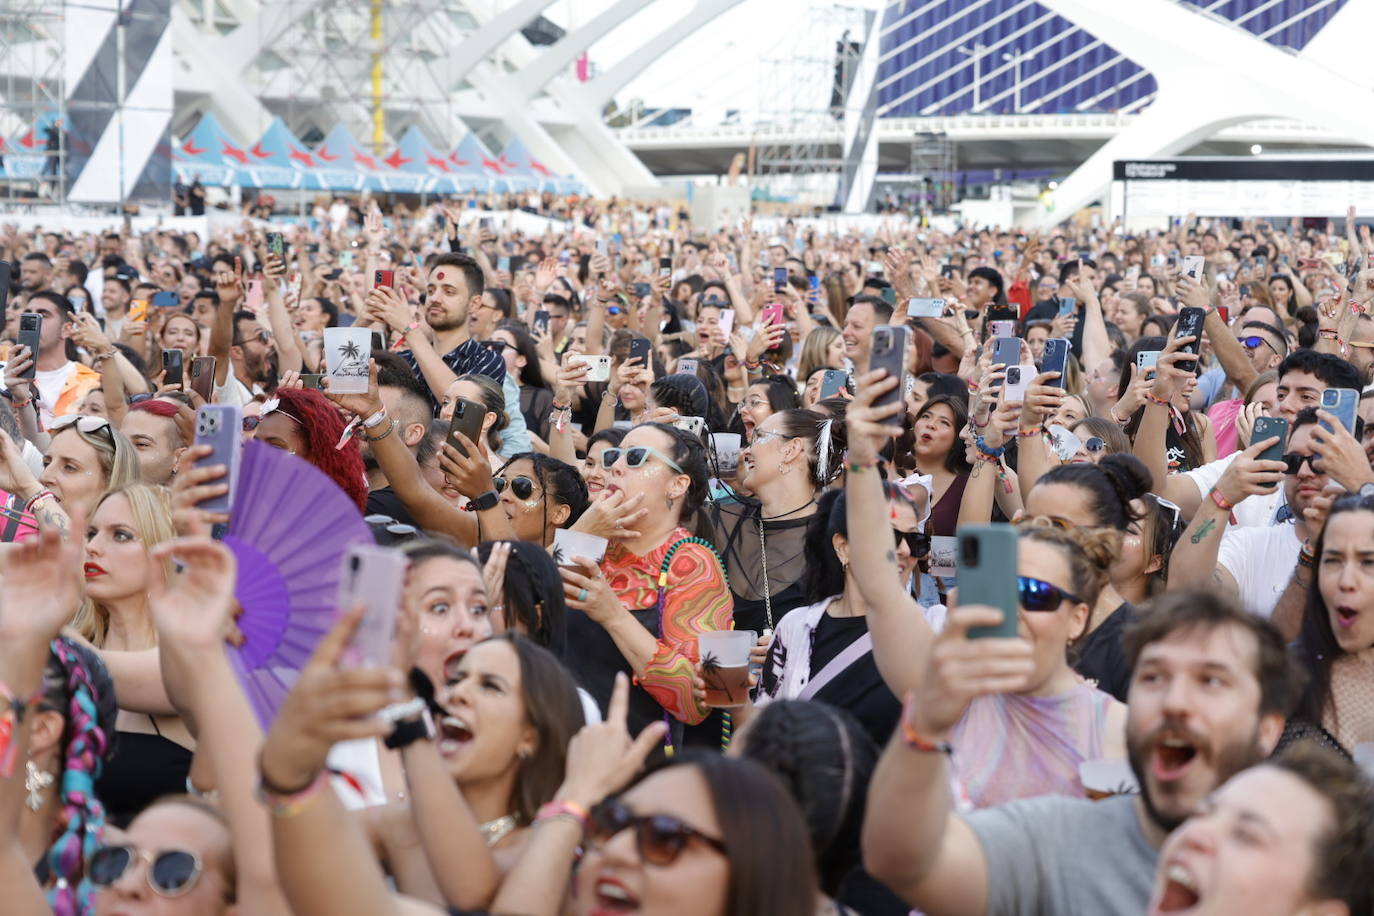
[766, 56]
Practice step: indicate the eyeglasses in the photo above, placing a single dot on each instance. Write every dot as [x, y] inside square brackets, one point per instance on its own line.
[917, 541]
[262, 336]
[1294, 464]
[636, 456]
[521, 487]
[171, 873]
[1039, 595]
[1095, 444]
[763, 434]
[659, 838]
[83, 423]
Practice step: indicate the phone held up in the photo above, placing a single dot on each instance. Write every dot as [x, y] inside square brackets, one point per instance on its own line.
[889, 352]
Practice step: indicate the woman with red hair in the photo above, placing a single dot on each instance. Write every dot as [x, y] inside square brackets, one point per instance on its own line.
[302, 422]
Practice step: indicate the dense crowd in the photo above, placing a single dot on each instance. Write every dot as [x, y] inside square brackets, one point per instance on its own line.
[707, 573]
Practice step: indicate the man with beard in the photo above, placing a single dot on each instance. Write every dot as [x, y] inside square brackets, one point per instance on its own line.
[1210, 691]
[453, 294]
[405, 399]
[251, 369]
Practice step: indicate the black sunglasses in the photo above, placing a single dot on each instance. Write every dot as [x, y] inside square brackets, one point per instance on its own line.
[496, 346]
[1039, 595]
[917, 541]
[1294, 463]
[660, 838]
[521, 487]
[171, 873]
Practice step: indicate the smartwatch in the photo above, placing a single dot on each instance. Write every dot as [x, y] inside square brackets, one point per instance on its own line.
[487, 500]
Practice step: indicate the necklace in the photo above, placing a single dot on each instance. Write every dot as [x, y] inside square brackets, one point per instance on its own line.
[496, 831]
[763, 557]
[773, 518]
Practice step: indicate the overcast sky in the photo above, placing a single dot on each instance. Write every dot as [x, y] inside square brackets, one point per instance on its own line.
[736, 62]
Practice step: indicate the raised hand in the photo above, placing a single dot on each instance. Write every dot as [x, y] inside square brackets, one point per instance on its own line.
[42, 585]
[613, 516]
[193, 608]
[603, 758]
[963, 669]
[469, 474]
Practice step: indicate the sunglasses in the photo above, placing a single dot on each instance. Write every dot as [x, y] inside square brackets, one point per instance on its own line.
[1253, 343]
[917, 541]
[83, 423]
[1295, 462]
[660, 838]
[496, 346]
[171, 873]
[635, 457]
[521, 487]
[1039, 595]
[613, 310]
[1095, 444]
[262, 336]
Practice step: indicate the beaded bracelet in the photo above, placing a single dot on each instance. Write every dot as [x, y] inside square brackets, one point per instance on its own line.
[976, 425]
[858, 467]
[972, 385]
[1162, 402]
[918, 742]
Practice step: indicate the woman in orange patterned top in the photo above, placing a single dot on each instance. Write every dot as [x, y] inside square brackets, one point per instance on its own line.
[620, 618]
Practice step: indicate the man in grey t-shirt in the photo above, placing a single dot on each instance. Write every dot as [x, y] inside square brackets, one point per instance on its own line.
[1210, 689]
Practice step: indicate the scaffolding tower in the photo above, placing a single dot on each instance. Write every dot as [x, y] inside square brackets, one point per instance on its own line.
[934, 170]
[802, 98]
[33, 112]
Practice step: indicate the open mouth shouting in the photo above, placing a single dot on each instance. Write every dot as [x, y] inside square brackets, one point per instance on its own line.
[454, 735]
[1180, 890]
[1172, 756]
[612, 897]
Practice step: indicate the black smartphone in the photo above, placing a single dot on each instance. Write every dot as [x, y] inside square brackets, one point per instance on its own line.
[1002, 313]
[312, 380]
[541, 321]
[5, 268]
[173, 365]
[203, 376]
[889, 352]
[1055, 359]
[30, 335]
[640, 347]
[665, 266]
[334, 274]
[467, 419]
[1190, 321]
[378, 341]
[1267, 428]
[276, 245]
[779, 279]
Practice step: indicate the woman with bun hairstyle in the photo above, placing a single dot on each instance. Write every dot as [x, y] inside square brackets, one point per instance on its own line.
[1030, 740]
[791, 456]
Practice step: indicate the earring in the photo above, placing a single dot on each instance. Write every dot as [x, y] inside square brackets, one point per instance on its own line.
[35, 781]
[782, 467]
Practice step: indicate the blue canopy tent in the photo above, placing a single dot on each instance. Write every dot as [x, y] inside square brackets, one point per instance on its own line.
[533, 171]
[341, 155]
[277, 160]
[207, 153]
[416, 156]
[471, 153]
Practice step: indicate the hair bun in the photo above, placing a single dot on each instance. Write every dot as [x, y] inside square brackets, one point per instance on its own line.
[1128, 475]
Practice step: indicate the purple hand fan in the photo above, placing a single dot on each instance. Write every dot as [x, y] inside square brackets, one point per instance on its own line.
[289, 529]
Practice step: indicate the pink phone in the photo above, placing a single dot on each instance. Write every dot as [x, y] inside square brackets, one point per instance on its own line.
[254, 299]
[373, 577]
[773, 313]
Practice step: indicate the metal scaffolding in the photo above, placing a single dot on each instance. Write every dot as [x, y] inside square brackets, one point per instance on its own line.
[934, 170]
[33, 112]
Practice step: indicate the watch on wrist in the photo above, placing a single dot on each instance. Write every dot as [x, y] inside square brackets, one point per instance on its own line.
[482, 503]
[1366, 490]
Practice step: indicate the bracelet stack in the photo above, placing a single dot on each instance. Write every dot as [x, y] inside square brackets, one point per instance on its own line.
[391, 428]
[282, 803]
[38, 497]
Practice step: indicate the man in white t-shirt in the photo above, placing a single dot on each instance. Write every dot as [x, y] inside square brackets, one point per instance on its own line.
[1252, 563]
[59, 380]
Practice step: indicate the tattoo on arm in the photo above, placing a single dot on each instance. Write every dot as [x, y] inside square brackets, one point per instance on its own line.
[1203, 530]
[52, 518]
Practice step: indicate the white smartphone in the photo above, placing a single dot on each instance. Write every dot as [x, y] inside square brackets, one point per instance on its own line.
[925, 308]
[1017, 381]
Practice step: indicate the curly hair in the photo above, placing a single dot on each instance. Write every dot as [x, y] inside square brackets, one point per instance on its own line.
[77, 685]
[323, 427]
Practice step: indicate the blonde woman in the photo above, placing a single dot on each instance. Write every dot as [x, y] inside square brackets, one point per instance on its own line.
[822, 349]
[86, 456]
[152, 754]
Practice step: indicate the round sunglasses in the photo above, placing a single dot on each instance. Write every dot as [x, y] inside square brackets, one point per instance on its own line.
[521, 487]
[660, 838]
[635, 456]
[1039, 595]
[171, 872]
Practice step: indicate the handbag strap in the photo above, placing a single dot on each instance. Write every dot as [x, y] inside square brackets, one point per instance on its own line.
[851, 654]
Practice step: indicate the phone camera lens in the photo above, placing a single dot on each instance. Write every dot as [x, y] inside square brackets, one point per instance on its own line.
[968, 551]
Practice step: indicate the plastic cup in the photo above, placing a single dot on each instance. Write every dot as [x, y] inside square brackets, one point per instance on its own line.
[725, 666]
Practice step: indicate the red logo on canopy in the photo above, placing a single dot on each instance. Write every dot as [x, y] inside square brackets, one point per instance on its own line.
[302, 156]
[453, 157]
[396, 160]
[323, 153]
[491, 165]
[365, 160]
[191, 149]
[234, 152]
[439, 164]
[540, 168]
[260, 152]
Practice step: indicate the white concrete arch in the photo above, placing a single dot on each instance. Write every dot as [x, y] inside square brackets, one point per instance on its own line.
[556, 59]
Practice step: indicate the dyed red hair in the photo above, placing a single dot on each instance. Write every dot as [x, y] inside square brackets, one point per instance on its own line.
[322, 427]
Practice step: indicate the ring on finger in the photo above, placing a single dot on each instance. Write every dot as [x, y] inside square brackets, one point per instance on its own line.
[582, 595]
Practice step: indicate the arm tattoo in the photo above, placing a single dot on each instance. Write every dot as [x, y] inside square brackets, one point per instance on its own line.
[1203, 530]
[51, 517]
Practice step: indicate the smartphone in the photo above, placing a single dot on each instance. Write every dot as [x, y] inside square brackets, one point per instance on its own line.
[253, 299]
[166, 300]
[138, 310]
[1190, 322]
[814, 281]
[1056, 359]
[485, 223]
[1017, 381]
[1133, 272]
[503, 263]
[1267, 428]
[78, 303]
[1068, 305]
[334, 274]
[987, 575]
[1002, 313]
[833, 382]
[779, 278]
[1001, 329]
[30, 332]
[601, 246]
[373, 577]
[665, 267]
[172, 365]
[203, 376]
[686, 367]
[312, 380]
[541, 321]
[693, 425]
[1146, 359]
[467, 419]
[640, 347]
[889, 352]
[276, 245]
[220, 426]
[1342, 402]
[1193, 267]
[384, 278]
[925, 308]
[773, 313]
[889, 295]
[5, 268]
[1007, 351]
[727, 322]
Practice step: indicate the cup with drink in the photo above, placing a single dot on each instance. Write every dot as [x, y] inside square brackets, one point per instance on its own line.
[725, 666]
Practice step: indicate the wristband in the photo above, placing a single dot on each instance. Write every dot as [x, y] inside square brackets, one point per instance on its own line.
[1154, 400]
[563, 809]
[1111, 412]
[1306, 559]
[375, 420]
[483, 502]
[972, 385]
[281, 803]
[977, 425]
[1028, 433]
[391, 428]
[858, 467]
[1329, 334]
[918, 742]
[20, 405]
[36, 498]
[1222, 502]
[981, 444]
